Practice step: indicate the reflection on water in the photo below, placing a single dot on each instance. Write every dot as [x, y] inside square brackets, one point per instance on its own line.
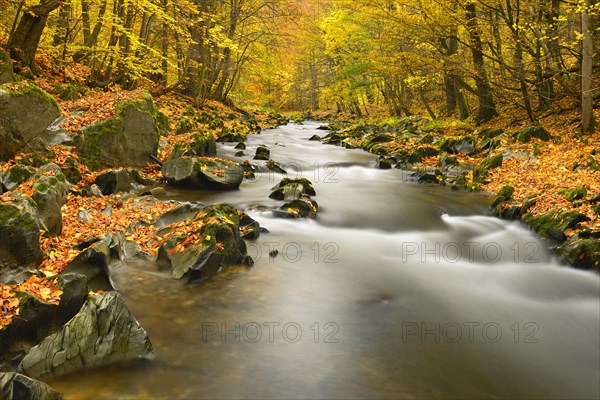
[396, 291]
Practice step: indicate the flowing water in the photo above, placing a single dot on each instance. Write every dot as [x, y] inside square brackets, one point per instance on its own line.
[396, 290]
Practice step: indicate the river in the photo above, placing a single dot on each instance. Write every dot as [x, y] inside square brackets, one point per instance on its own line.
[396, 290]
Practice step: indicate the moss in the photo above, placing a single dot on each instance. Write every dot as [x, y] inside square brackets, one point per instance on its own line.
[533, 131]
[423, 152]
[480, 172]
[30, 88]
[596, 209]
[185, 125]
[553, 224]
[584, 254]
[574, 193]
[95, 137]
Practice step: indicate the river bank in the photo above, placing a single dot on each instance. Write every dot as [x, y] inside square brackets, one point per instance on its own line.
[547, 179]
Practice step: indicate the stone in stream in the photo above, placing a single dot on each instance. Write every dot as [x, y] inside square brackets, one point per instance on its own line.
[51, 190]
[307, 185]
[480, 172]
[239, 154]
[19, 238]
[103, 332]
[25, 113]
[218, 245]
[38, 319]
[122, 180]
[15, 386]
[384, 162]
[240, 146]
[93, 263]
[275, 167]
[301, 208]
[249, 228]
[315, 138]
[197, 144]
[262, 153]
[127, 140]
[203, 172]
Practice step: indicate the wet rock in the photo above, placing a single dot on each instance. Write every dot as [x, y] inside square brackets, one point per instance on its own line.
[19, 238]
[423, 177]
[126, 140]
[249, 228]
[466, 145]
[582, 254]
[51, 190]
[181, 213]
[262, 153]
[384, 162]
[306, 184]
[103, 332]
[240, 146]
[315, 138]
[554, 224]
[83, 216]
[239, 154]
[25, 113]
[275, 167]
[15, 386]
[533, 131]
[289, 192]
[301, 208]
[370, 140]
[203, 172]
[220, 245]
[157, 192]
[197, 144]
[93, 263]
[121, 181]
[38, 319]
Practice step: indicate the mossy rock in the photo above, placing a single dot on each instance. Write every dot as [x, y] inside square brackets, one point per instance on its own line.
[554, 224]
[301, 208]
[203, 172]
[262, 153]
[503, 196]
[487, 134]
[7, 74]
[583, 254]
[185, 125]
[480, 172]
[126, 140]
[71, 170]
[16, 176]
[371, 139]
[533, 131]
[574, 193]
[422, 152]
[446, 161]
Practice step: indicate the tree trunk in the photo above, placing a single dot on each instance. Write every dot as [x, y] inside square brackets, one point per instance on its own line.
[26, 37]
[487, 107]
[587, 50]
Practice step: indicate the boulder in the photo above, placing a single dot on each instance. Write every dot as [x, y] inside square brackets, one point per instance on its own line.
[240, 146]
[384, 162]
[262, 153]
[103, 332]
[15, 386]
[533, 131]
[582, 253]
[51, 190]
[19, 238]
[306, 184]
[16, 175]
[6, 69]
[480, 172]
[25, 113]
[198, 144]
[93, 263]
[446, 161]
[315, 138]
[38, 319]
[127, 140]
[121, 180]
[422, 152]
[249, 228]
[554, 224]
[218, 245]
[203, 172]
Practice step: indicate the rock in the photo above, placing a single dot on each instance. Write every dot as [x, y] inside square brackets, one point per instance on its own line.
[38, 319]
[480, 172]
[371, 139]
[486, 134]
[239, 154]
[51, 190]
[306, 184]
[71, 170]
[181, 213]
[554, 224]
[533, 131]
[275, 167]
[324, 127]
[103, 332]
[446, 161]
[16, 175]
[384, 162]
[93, 263]
[426, 177]
[301, 208]
[116, 181]
[240, 146]
[126, 140]
[15, 386]
[220, 245]
[6, 68]
[158, 191]
[249, 169]
[574, 193]
[422, 152]
[583, 254]
[315, 138]
[262, 153]
[249, 228]
[185, 125]
[19, 238]
[25, 113]
[83, 216]
[203, 172]
[466, 145]
[289, 192]
[198, 144]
